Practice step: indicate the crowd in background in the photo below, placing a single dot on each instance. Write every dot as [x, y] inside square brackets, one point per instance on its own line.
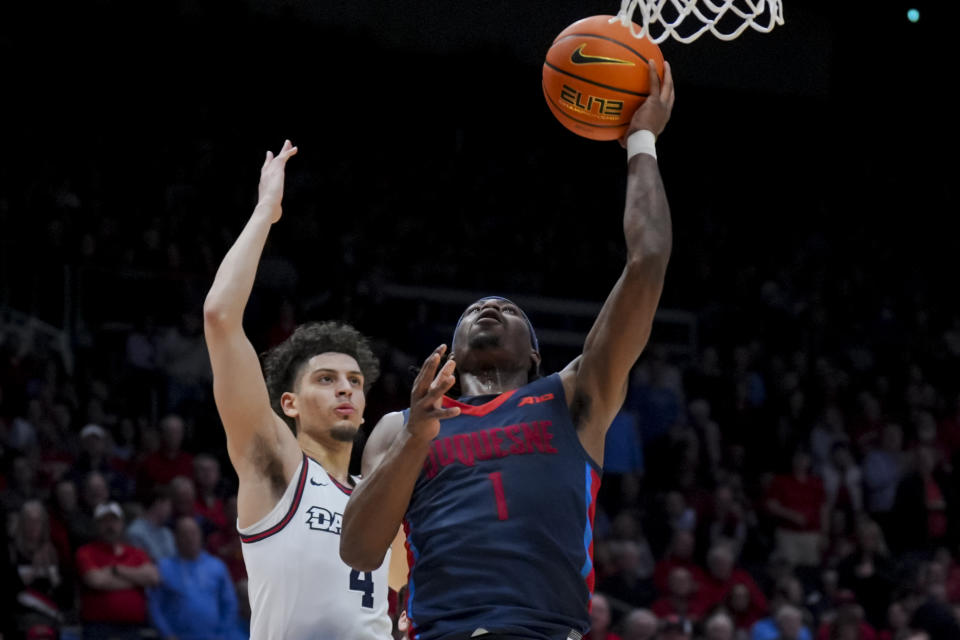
[793, 478]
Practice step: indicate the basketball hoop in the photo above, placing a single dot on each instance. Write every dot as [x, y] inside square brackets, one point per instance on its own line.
[687, 20]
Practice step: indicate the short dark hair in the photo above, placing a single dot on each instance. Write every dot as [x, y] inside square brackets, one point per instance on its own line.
[282, 364]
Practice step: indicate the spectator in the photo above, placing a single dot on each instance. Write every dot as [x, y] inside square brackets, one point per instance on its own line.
[681, 598]
[43, 592]
[786, 624]
[629, 582]
[639, 624]
[600, 619]
[882, 470]
[680, 554]
[675, 628]
[113, 575]
[206, 476]
[743, 609]
[65, 532]
[723, 574]
[847, 622]
[869, 424]
[225, 542]
[21, 486]
[869, 573]
[655, 395]
[162, 466]
[726, 521]
[184, 497]
[842, 480]
[829, 430]
[182, 356]
[149, 531]
[922, 507]
[797, 502]
[841, 539]
[95, 456]
[719, 626]
[195, 599]
[897, 627]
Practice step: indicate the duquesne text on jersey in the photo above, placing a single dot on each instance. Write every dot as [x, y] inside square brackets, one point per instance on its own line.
[486, 444]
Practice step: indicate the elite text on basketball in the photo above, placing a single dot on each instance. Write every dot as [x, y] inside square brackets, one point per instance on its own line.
[577, 101]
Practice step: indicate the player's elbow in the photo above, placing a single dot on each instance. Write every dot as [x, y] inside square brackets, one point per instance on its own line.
[359, 554]
[214, 313]
[217, 317]
[649, 266]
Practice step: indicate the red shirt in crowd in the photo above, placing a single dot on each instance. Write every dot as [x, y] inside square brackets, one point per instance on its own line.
[693, 608]
[212, 512]
[805, 496]
[661, 573]
[115, 606]
[714, 591]
[159, 469]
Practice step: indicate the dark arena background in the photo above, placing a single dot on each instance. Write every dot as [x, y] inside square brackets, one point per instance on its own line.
[810, 315]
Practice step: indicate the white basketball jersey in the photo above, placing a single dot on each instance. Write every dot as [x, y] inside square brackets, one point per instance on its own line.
[299, 588]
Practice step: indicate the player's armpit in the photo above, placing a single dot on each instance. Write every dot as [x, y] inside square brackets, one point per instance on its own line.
[620, 333]
[243, 403]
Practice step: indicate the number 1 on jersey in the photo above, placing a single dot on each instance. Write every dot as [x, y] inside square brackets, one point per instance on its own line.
[497, 479]
[365, 585]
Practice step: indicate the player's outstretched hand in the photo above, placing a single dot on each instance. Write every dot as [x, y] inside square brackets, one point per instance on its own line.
[271, 180]
[426, 398]
[654, 113]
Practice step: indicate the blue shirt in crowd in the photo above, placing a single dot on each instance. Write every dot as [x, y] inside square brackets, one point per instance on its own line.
[766, 629]
[195, 599]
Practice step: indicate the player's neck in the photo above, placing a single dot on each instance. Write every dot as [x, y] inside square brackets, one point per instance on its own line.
[491, 381]
[333, 456]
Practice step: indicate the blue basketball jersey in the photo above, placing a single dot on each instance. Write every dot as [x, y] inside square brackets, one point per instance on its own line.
[500, 524]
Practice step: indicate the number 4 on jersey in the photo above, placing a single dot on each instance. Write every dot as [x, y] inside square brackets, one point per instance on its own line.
[365, 585]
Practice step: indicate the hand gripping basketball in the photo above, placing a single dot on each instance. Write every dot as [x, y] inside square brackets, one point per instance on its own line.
[272, 174]
[426, 398]
[654, 113]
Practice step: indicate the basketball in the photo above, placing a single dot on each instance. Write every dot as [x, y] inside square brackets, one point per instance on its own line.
[595, 76]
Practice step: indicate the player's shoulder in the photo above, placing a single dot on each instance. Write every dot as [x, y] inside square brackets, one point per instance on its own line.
[380, 439]
[390, 425]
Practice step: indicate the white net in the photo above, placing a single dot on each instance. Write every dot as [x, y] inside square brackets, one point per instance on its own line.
[687, 20]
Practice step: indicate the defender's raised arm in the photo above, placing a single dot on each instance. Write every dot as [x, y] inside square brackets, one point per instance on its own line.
[253, 429]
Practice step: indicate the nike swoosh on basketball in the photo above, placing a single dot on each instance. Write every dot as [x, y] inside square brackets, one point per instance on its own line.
[578, 57]
[318, 484]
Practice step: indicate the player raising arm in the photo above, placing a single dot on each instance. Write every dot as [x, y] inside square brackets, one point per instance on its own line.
[496, 490]
[293, 471]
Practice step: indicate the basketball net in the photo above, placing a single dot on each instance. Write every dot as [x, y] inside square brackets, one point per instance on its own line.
[687, 20]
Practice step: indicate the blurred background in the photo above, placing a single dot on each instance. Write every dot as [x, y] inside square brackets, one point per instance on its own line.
[803, 371]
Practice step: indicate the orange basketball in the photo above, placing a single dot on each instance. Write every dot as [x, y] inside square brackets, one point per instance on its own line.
[595, 76]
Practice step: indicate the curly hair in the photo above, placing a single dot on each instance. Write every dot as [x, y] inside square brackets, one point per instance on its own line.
[282, 364]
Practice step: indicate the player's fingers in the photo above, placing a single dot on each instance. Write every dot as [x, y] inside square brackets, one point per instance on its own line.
[667, 90]
[444, 380]
[654, 78]
[288, 150]
[422, 382]
[266, 161]
[449, 412]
